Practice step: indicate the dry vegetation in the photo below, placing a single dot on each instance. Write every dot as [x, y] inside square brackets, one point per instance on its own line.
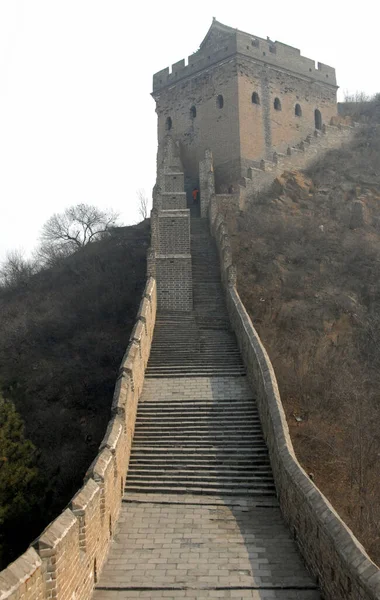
[308, 258]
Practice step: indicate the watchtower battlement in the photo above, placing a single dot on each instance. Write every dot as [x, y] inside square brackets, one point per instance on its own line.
[242, 97]
[231, 41]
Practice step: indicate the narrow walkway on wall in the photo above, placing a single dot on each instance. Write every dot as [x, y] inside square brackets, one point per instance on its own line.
[200, 518]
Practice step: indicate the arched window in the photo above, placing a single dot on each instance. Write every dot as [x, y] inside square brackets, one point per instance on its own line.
[255, 98]
[318, 119]
[169, 124]
[277, 104]
[298, 110]
[193, 112]
[220, 101]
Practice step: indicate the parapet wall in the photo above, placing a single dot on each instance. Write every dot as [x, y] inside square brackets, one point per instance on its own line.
[300, 156]
[232, 41]
[332, 553]
[65, 561]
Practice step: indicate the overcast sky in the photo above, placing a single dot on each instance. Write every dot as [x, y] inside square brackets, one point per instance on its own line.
[77, 122]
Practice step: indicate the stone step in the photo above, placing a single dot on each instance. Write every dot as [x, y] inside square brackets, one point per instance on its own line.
[193, 420]
[213, 444]
[196, 426]
[186, 374]
[164, 408]
[254, 454]
[182, 423]
[241, 423]
[180, 475]
[242, 435]
[156, 488]
[217, 403]
[198, 468]
[203, 482]
[203, 451]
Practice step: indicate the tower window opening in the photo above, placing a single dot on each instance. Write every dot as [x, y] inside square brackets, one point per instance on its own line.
[272, 49]
[298, 110]
[255, 98]
[277, 104]
[255, 43]
[193, 112]
[220, 101]
[169, 124]
[318, 119]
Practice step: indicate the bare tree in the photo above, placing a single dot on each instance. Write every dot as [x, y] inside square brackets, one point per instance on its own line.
[73, 229]
[358, 96]
[143, 204]
[16, 269]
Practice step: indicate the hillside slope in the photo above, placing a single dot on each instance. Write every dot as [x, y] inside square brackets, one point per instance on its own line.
[63, 333]
[308, 259]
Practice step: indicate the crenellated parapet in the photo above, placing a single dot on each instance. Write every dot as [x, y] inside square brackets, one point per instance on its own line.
[227, 41]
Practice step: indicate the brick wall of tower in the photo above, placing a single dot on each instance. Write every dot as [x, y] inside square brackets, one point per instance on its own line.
[234, 64]
[211, 123]
[263, 129]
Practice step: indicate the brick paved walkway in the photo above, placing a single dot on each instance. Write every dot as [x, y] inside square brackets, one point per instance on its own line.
[181, 545]
[167, 548]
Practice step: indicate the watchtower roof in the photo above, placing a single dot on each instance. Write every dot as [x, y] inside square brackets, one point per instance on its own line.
[223, 42]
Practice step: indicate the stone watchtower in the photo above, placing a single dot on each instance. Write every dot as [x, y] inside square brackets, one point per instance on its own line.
[240, 100]
[243, 98]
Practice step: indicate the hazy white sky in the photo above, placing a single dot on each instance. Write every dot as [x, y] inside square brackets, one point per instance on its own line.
[77, 123]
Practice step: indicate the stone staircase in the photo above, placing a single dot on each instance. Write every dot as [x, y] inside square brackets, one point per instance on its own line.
[197, 431]
[199, 343]
[199, 446]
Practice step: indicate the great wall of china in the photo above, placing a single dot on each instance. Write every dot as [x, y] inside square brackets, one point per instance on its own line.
[196, 490]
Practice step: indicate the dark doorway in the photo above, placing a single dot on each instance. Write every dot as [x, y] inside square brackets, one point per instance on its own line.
[192, 183]
[318, 119]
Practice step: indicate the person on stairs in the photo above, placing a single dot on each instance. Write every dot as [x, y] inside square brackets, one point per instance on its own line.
[195, 195]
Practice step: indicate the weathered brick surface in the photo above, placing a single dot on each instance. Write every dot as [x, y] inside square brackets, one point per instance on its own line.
[227, 544]
[169, 259]
[24, 578]
[331, 551]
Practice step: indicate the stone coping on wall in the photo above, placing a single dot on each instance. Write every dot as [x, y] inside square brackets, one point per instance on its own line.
[331, 551]
[65, 561]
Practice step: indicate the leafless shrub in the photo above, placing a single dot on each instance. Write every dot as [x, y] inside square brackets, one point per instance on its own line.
[16, 270]
[143, 204]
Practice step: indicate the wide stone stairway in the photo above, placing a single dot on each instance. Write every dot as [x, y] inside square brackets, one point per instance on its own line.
[200, 517]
